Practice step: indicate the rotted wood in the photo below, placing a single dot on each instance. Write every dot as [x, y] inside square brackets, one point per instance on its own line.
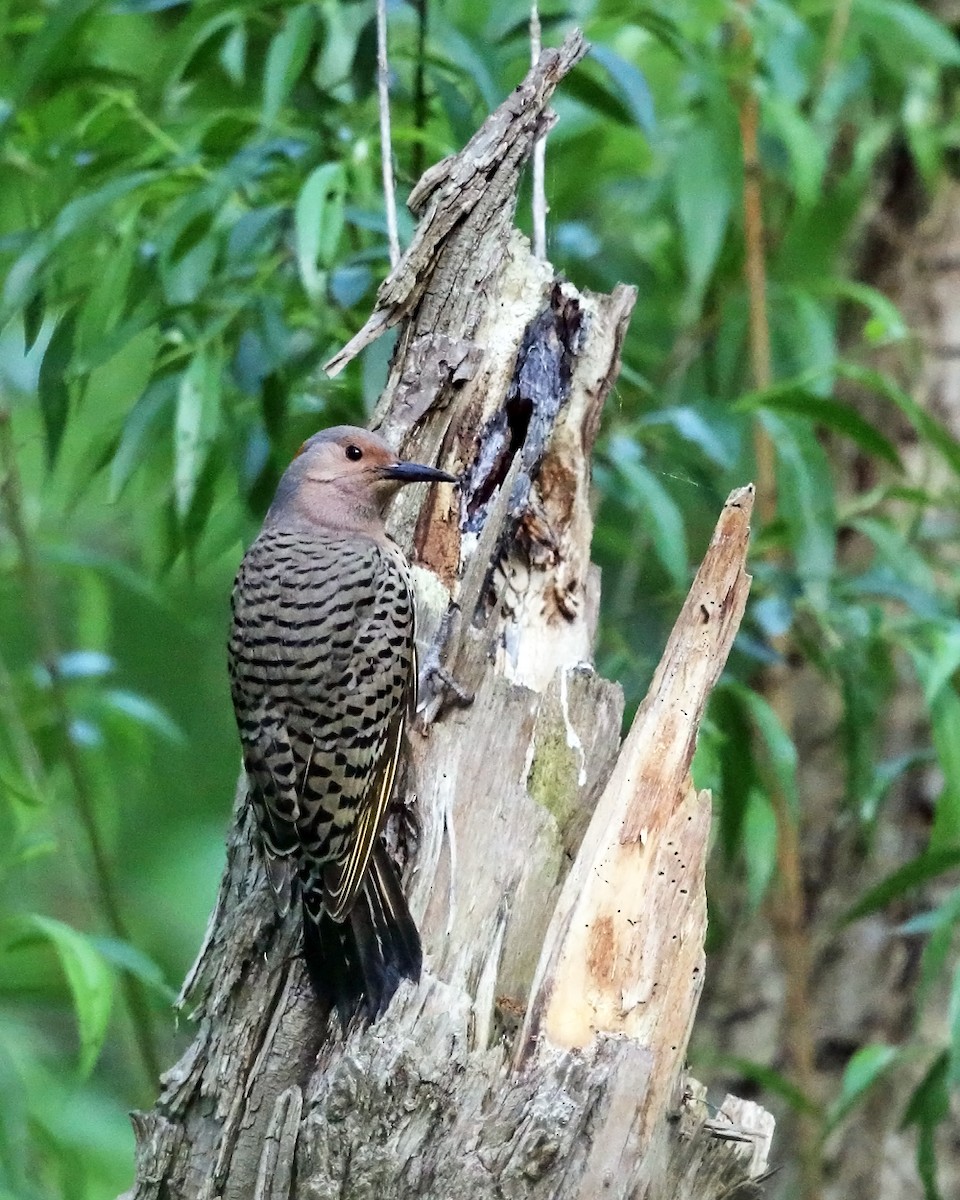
[556, 876]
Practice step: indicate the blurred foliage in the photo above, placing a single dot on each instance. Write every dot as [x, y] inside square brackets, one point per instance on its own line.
[191, 221]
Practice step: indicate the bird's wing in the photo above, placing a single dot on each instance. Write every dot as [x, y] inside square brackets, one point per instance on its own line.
[343, 879]
[272, 767]
[267, 756]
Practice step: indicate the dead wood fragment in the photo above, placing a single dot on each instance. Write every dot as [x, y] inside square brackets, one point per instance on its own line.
[481, 175]
[624, 953]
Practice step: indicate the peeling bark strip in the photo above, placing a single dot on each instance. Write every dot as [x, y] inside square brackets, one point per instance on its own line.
[466, 1087]
[472, 188]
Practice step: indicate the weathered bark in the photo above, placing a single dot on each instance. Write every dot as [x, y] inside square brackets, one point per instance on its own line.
[557, 878]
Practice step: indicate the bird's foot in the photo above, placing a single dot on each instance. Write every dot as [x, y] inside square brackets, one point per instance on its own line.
[440, 691]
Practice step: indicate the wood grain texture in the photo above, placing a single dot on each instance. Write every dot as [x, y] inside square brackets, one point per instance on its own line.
[624, 953]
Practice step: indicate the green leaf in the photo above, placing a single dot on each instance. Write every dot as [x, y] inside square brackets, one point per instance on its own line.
[473, 58]
[945, 723]
[953, 1073]
[143, 712]
[33, 314]
[711, 438]
[902, 567]
[52, 385]
[193, 232]
[773, 1081]
[187, 269]
[25, 791]
[631, 85]
[346, 41]
[929, 1106]
[195, 424]
[703, 199]
[596, 95]
[805, 501]
[781, 752]
[830, 414]
[803, 336]
[738, 777]
[886, 323]
[863, 1070]
[759, 846]
[929, 430]
[943, 704]
[936, 668]
[138, 432]
[128, 958]
[23, 278]
[106, 302]
[286, 58]
[883, 776]
[85, 209]
[318, 221]
[88, 976]
[15, 1161]
[666, 30]
[941, 926]
[457, 108]
[233, 54]
[803, 143]
[663, 521]
[907, 30]
[918, 870]
[196, 31]
[93, 622]
[46, 47]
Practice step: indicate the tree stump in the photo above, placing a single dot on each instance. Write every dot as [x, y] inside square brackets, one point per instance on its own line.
[556, 874]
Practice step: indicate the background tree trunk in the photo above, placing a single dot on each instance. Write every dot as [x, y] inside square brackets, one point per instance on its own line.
[865, 976]
[557, 876]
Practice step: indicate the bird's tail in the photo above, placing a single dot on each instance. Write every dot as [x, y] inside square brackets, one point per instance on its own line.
[356, 965]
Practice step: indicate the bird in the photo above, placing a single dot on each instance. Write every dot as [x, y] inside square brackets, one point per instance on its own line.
[323, 677]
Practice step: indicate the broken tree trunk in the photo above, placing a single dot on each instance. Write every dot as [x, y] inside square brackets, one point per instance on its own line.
[557, 876]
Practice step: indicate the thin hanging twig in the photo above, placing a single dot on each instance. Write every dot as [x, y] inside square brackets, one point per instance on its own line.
[539, 152]
[386, 147]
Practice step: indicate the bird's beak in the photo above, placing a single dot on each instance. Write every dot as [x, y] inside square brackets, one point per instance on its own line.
[411, 472]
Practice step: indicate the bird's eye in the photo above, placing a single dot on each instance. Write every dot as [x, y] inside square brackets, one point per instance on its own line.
[354, 453]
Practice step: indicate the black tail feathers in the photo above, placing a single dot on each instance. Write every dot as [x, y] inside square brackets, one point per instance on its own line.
[356, 965]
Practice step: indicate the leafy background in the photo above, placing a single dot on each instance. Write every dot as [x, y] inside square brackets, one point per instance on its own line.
[191, 222]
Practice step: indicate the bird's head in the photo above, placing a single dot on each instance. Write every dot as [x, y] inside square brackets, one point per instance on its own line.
[345, 477]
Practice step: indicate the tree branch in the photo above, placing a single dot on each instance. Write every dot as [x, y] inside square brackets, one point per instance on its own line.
[386, 144]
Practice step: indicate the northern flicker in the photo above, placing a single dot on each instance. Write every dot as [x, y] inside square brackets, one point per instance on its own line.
[323, 676]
